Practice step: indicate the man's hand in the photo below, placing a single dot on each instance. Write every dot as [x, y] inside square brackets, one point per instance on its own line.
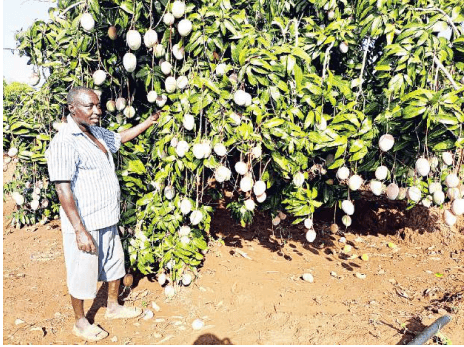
[85, 242]
[83, 238]
[133, 132]
[154, 117]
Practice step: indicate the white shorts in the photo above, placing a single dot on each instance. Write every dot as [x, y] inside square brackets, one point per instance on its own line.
[84, 270]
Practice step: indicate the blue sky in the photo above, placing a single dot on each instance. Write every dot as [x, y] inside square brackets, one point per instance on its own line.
[19, 15]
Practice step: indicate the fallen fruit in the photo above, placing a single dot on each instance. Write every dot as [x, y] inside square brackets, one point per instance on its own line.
[450, 218]
[197, 324]
[347, 249]
[457, 207]
[308, 277]
[169, 291]
[333, 228]
[128, 280]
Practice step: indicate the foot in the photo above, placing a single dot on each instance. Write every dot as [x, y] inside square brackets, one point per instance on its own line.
[116, 311]
[89, 332]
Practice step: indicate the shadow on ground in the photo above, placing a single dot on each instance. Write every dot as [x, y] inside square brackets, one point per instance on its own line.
[211, 339]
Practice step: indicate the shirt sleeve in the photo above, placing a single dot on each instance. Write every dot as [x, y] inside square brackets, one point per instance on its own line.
[62, 160]
[112, 139]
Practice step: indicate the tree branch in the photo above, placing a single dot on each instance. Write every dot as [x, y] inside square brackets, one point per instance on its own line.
[326, 60]
[360, 91]
[446, 72]
[448, 19]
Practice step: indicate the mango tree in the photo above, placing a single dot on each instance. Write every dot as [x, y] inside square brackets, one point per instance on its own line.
[288, 105]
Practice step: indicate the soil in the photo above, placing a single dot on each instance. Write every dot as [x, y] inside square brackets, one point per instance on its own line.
[250, 289]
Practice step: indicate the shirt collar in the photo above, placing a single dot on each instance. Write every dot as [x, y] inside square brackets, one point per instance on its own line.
[73, 127]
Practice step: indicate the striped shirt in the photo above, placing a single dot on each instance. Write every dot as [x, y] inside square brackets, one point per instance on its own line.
[73, 156]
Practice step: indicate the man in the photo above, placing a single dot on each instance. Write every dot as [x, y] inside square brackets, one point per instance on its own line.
[83, 170]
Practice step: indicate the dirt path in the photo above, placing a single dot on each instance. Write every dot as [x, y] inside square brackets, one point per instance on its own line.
[250, 290]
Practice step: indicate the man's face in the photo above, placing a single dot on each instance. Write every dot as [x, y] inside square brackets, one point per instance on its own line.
[85, 109]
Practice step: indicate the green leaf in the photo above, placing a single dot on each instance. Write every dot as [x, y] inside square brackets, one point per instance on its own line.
[298, 76]
[127, 6]
[359, 155]
[136, 166]
[274, 122]
[413, 111]
[337, 163]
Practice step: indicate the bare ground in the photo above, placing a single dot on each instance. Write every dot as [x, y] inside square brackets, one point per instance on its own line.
[250, 289]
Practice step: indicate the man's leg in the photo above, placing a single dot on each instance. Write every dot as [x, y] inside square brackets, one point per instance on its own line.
[113, 293]
[82, 276]
[78, 306]
[82, 327]
[114, 309]
[112, 272]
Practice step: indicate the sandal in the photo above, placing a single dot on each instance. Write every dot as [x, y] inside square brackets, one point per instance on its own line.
[124, 312]
[92, 333]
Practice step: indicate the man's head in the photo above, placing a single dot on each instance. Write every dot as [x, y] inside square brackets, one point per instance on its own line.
[84, 106]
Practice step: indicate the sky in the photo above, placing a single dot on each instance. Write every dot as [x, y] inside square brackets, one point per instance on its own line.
[18, 15]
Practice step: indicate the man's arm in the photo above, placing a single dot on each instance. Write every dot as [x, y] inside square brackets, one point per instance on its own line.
[83, 238]
[131, 133]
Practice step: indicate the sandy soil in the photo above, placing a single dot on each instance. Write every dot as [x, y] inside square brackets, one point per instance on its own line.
[250, 289]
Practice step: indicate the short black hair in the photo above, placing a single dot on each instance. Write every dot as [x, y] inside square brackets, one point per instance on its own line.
[75, 91]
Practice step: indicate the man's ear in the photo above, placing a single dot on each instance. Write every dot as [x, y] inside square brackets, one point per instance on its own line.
[71, 108]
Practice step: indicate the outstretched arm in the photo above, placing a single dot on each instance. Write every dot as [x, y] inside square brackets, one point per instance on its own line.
[83, 238]
[133, 132]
